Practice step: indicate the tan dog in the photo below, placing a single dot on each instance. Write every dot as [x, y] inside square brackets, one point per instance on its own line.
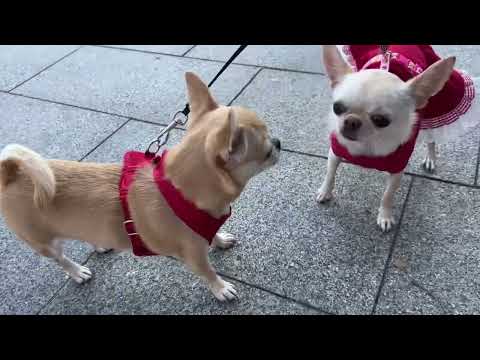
[44, 201]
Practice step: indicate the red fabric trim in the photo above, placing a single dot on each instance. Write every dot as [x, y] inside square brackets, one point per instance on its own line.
[132, 161]
[407, 61]
[393, 163]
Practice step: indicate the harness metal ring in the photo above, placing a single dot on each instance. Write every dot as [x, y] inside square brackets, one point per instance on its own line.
[149, 151]
[178, 116]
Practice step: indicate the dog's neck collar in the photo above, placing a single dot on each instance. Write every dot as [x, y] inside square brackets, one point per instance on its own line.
[394, 163]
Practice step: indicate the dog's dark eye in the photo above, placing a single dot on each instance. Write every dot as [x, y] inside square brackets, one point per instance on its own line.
[339, 108]
[380, 121]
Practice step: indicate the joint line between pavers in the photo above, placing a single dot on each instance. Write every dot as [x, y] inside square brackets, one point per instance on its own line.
[65, 104]
[186, 52]
[104, 140]
[137, 50]
[245, 86]
[445, 181]
[83, 108]
[45, 68]
[414, 175]
[213, 60]
[62, 286]
[450, 182]
[392, 248]
[475, 182]
[304, 153]
[258, 287]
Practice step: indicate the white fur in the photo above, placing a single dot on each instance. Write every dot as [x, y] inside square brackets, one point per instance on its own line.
[101, 250]
[385, 213]
[78, 273]
[371, 92]
[223, 290]
[224, 240]
[430, 158]
[325, 193]
[340, 50]
[375, 91]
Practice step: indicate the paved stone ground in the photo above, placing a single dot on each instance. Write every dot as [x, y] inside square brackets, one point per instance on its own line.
[295, 257]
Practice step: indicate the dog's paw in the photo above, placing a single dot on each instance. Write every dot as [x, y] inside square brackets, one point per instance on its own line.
[429, 164]
[323, 196]
[385, 220]
[224, 240]
[101, 250]
[223, 290]
[79, 273]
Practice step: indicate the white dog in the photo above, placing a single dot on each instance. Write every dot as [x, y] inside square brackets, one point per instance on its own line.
[384, 100]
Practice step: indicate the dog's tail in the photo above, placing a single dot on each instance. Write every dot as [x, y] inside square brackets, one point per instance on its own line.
[15, 158]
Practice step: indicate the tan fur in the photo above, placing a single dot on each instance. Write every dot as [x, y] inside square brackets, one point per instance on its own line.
[19, 158]
[8, 172]
[85, 204]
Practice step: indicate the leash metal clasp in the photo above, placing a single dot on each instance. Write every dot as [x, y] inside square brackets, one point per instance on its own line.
[180, 118]
[386, 55]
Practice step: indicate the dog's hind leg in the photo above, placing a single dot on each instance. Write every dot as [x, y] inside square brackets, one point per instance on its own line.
[101, 250]
[77, 272]
[52, 248]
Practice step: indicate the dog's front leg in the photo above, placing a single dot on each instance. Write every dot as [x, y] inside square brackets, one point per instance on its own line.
[198, 262]
[324, 194]
[430, 158]
[385, 214]
[223, 240]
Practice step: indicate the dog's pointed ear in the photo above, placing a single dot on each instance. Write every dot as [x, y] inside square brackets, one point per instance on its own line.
[236, 142]
[431, 81]
[199, 97]
[334, 64]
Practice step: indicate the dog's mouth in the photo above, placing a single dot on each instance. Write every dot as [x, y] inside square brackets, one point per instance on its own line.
[269, 153]
[272, 156]
[349, 136]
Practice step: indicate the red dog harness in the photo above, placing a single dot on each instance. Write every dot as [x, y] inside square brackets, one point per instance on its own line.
[196, 219]
[407, 61]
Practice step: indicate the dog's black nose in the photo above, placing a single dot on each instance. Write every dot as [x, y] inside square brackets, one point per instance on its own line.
[352, 123]
[276, 143]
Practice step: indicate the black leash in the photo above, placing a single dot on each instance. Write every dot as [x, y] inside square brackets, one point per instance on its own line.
[159, 142]
[186, 110]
